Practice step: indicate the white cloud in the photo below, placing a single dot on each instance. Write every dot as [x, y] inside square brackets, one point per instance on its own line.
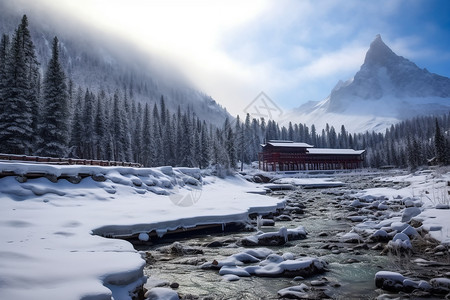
[234, 49]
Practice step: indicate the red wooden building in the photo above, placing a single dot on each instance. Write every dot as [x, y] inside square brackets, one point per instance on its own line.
[289, 156]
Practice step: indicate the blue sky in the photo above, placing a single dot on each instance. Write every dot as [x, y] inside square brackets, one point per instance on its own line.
[310, 45]
[293, 50]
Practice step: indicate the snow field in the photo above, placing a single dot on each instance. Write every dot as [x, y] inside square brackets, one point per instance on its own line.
[46, 230]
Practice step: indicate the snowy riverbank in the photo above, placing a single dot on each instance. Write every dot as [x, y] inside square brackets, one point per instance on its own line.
[48, 249]
[429, 191]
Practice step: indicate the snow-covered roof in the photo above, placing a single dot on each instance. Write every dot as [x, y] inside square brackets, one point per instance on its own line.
[335, 151]
[289, 144]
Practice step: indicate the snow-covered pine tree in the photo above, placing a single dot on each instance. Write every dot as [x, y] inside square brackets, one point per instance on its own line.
[168, 140]
[239, 141]
[53, 126]
[16, 128]
[87, 121]
[313, 135]
[157, 147]
[186, 142]
[205, 148]
[247, 139]
[126, 137]
[440, 145]
[4, 47]
[76, 134]
[100, 128]
[343, 138]
[146, 138]
[117, 133]
[229, 144]
[137, 133]
[33, 76]
[332, 138]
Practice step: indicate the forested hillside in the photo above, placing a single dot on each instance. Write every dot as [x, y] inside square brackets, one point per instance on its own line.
[42, 112]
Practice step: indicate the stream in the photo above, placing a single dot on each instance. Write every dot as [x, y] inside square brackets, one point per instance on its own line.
[351, 269]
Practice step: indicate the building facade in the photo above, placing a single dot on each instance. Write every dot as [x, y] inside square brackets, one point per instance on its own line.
[279, 155]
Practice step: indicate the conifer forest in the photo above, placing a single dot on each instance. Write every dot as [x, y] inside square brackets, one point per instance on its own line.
[44, 113]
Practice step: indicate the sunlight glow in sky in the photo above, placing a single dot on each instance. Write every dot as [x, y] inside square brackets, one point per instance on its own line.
[294, 51]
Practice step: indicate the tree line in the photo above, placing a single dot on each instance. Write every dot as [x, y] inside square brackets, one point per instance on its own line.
[42, 112]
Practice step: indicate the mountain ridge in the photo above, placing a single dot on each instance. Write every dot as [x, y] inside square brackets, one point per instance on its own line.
[388, 88]
[99, 61]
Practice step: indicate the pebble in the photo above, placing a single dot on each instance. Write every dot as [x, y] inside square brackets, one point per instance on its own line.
[298, 278]
[318, 282]
[214, 244]
[174, 285]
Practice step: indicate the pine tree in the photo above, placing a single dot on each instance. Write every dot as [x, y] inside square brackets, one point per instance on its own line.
[53, 127]
[88, 125]
[100, 128]
[440, 145]
[187, 142]
[229, 144]
[117, 128]
[137, 134]
[33, 76]
[76, 136]
[205, 150]
[157, 147]
[146, 138]
[343, 139]
[16, 118]
[4, 47]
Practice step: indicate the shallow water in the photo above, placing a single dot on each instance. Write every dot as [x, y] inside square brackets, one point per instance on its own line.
[353, 270]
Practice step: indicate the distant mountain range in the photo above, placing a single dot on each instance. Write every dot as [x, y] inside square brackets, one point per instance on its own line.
[94, 60]
[387, 89]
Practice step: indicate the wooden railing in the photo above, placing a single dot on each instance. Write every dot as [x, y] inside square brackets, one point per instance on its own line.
[65, 161]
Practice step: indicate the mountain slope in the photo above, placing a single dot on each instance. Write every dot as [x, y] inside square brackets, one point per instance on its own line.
[387, 89]
[94, 60]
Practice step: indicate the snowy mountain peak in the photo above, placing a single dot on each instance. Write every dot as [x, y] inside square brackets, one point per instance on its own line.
[379, 53]
[388, 88]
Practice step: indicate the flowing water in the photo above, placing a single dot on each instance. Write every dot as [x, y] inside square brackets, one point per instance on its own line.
[351, 270]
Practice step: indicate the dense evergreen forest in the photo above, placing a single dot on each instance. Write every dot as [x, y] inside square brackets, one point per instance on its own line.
[42, 112]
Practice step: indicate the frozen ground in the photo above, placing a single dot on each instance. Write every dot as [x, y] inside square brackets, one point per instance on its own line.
[48, 250]
[430, 191]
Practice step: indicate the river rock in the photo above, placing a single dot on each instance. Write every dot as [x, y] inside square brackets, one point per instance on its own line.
[441, 285]
[389, 281]
[320, 282]
[214, 244]
[305, 267]
[143, 237]
[295, 292]
[379, 236]
[267, 239]
[400, 244]
[99, 177]
[409, 213]
[283, 218]
[442, 206]
[161, 294]
[178, 249]
[410, 231]
[231, 277]
[74, 179]
[351, 237]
